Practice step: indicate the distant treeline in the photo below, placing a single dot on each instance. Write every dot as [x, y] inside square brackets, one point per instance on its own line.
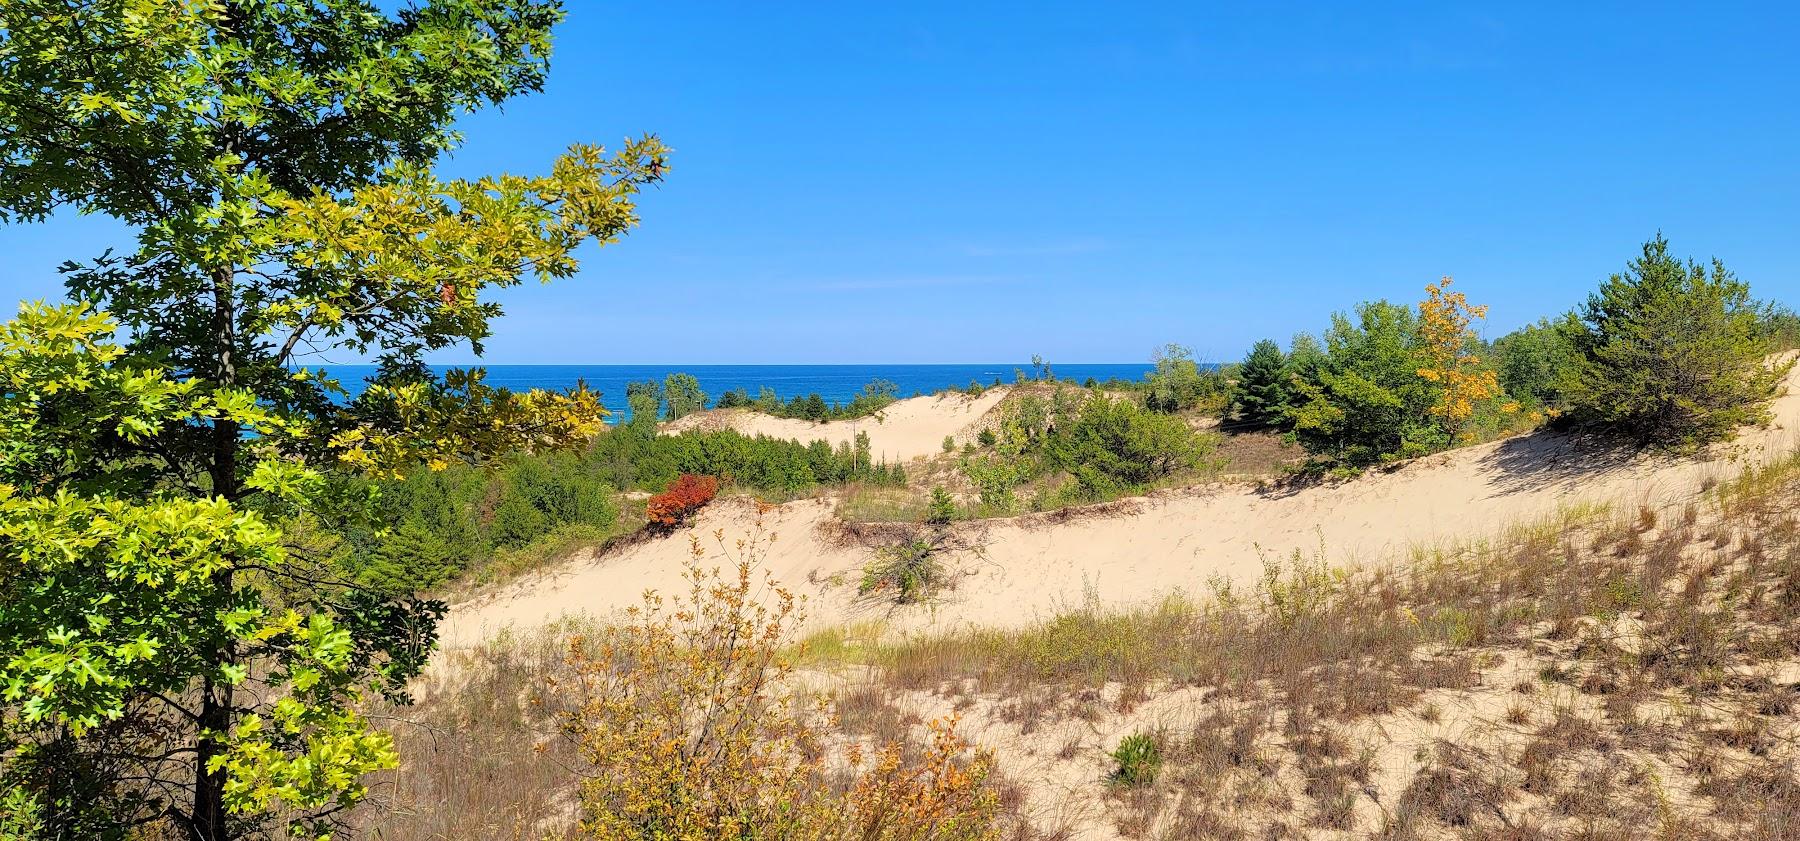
[680, 395]
[437, 526]
[1666, 353]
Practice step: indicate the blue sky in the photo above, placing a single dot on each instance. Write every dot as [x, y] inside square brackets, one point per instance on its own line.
[930, 182]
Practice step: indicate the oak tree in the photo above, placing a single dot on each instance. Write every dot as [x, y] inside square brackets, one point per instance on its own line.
[165, 657]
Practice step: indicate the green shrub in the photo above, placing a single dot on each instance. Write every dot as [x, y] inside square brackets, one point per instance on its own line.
[996, 478]
[909, 572]
[1139, 759]
[875, 395]
[1363, 402]
[436, 526]
[942, 508]
[629, 456]
[1781, 325]
[1671, 353]
[1116, 446]
[949, 443]
[734, 399]
[1110, 446]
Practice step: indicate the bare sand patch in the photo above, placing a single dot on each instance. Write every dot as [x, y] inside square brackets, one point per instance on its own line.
[903, 431]
[1131, 552]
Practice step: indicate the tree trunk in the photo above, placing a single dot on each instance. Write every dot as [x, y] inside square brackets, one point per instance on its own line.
[209, 819]
[223, 469]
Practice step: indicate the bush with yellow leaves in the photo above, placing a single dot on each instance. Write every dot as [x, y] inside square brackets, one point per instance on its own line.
[686, 715]
[1444, 339]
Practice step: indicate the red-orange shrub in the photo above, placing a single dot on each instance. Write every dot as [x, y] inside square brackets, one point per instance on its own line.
[685, 495]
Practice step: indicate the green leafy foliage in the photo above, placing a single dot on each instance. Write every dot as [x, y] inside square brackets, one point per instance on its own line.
[1781, 325]
[123, 595]
[1672, 353]
[276, 162]
[1364, 402]
[1139, 759]
[630, 456]
[644, 402]
[1107, 447]
[683, 395]
[1177, 383]
[1115, 447]
[1537, 363]
[875, 395]
[436, 527]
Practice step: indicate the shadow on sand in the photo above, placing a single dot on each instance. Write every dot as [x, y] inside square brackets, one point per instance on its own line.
[1522, 463]
[1530, 462]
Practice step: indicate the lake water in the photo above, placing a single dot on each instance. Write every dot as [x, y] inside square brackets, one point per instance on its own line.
[835, 383]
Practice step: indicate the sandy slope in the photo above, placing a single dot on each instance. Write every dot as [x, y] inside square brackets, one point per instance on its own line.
[903, 431]
[1130, 552]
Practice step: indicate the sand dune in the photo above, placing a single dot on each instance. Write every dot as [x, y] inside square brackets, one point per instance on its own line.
[1132, 551]
[903, 431]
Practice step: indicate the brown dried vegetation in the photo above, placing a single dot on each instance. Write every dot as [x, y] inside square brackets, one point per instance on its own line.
[1595, 677]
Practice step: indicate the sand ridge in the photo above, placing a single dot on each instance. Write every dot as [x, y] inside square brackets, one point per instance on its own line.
[1133, 551]
[905, 430]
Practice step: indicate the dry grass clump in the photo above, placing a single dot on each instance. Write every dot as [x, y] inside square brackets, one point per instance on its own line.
[683, 720]
[865, 503]
[484, 758]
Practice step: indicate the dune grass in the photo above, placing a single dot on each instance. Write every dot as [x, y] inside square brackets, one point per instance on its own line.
[1641, 664]
[1603, 673]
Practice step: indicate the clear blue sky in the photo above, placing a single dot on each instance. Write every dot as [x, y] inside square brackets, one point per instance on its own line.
[933, 182]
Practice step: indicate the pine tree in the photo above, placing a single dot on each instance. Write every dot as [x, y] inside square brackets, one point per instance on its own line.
[1672, 353]
[408, 559]
[942, 508]
[1261, 396]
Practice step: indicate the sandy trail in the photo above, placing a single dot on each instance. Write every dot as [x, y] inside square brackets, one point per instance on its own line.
[1132, 552]
[905, 430]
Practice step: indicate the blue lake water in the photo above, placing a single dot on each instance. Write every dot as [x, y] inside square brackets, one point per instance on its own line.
[835, 383]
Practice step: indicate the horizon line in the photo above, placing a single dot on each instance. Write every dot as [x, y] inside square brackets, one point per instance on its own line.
[1027, 364]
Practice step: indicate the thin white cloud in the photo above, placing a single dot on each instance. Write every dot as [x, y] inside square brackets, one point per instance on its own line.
[902, 282]
[1078, 245]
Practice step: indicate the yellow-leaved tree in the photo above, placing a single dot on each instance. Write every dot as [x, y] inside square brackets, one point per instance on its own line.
[1444, 339]
[688, 716]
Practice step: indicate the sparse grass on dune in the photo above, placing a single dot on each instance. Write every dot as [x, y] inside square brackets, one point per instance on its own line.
[1250, 456]
[873, 504]
[1598, 674]
[485, 759]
